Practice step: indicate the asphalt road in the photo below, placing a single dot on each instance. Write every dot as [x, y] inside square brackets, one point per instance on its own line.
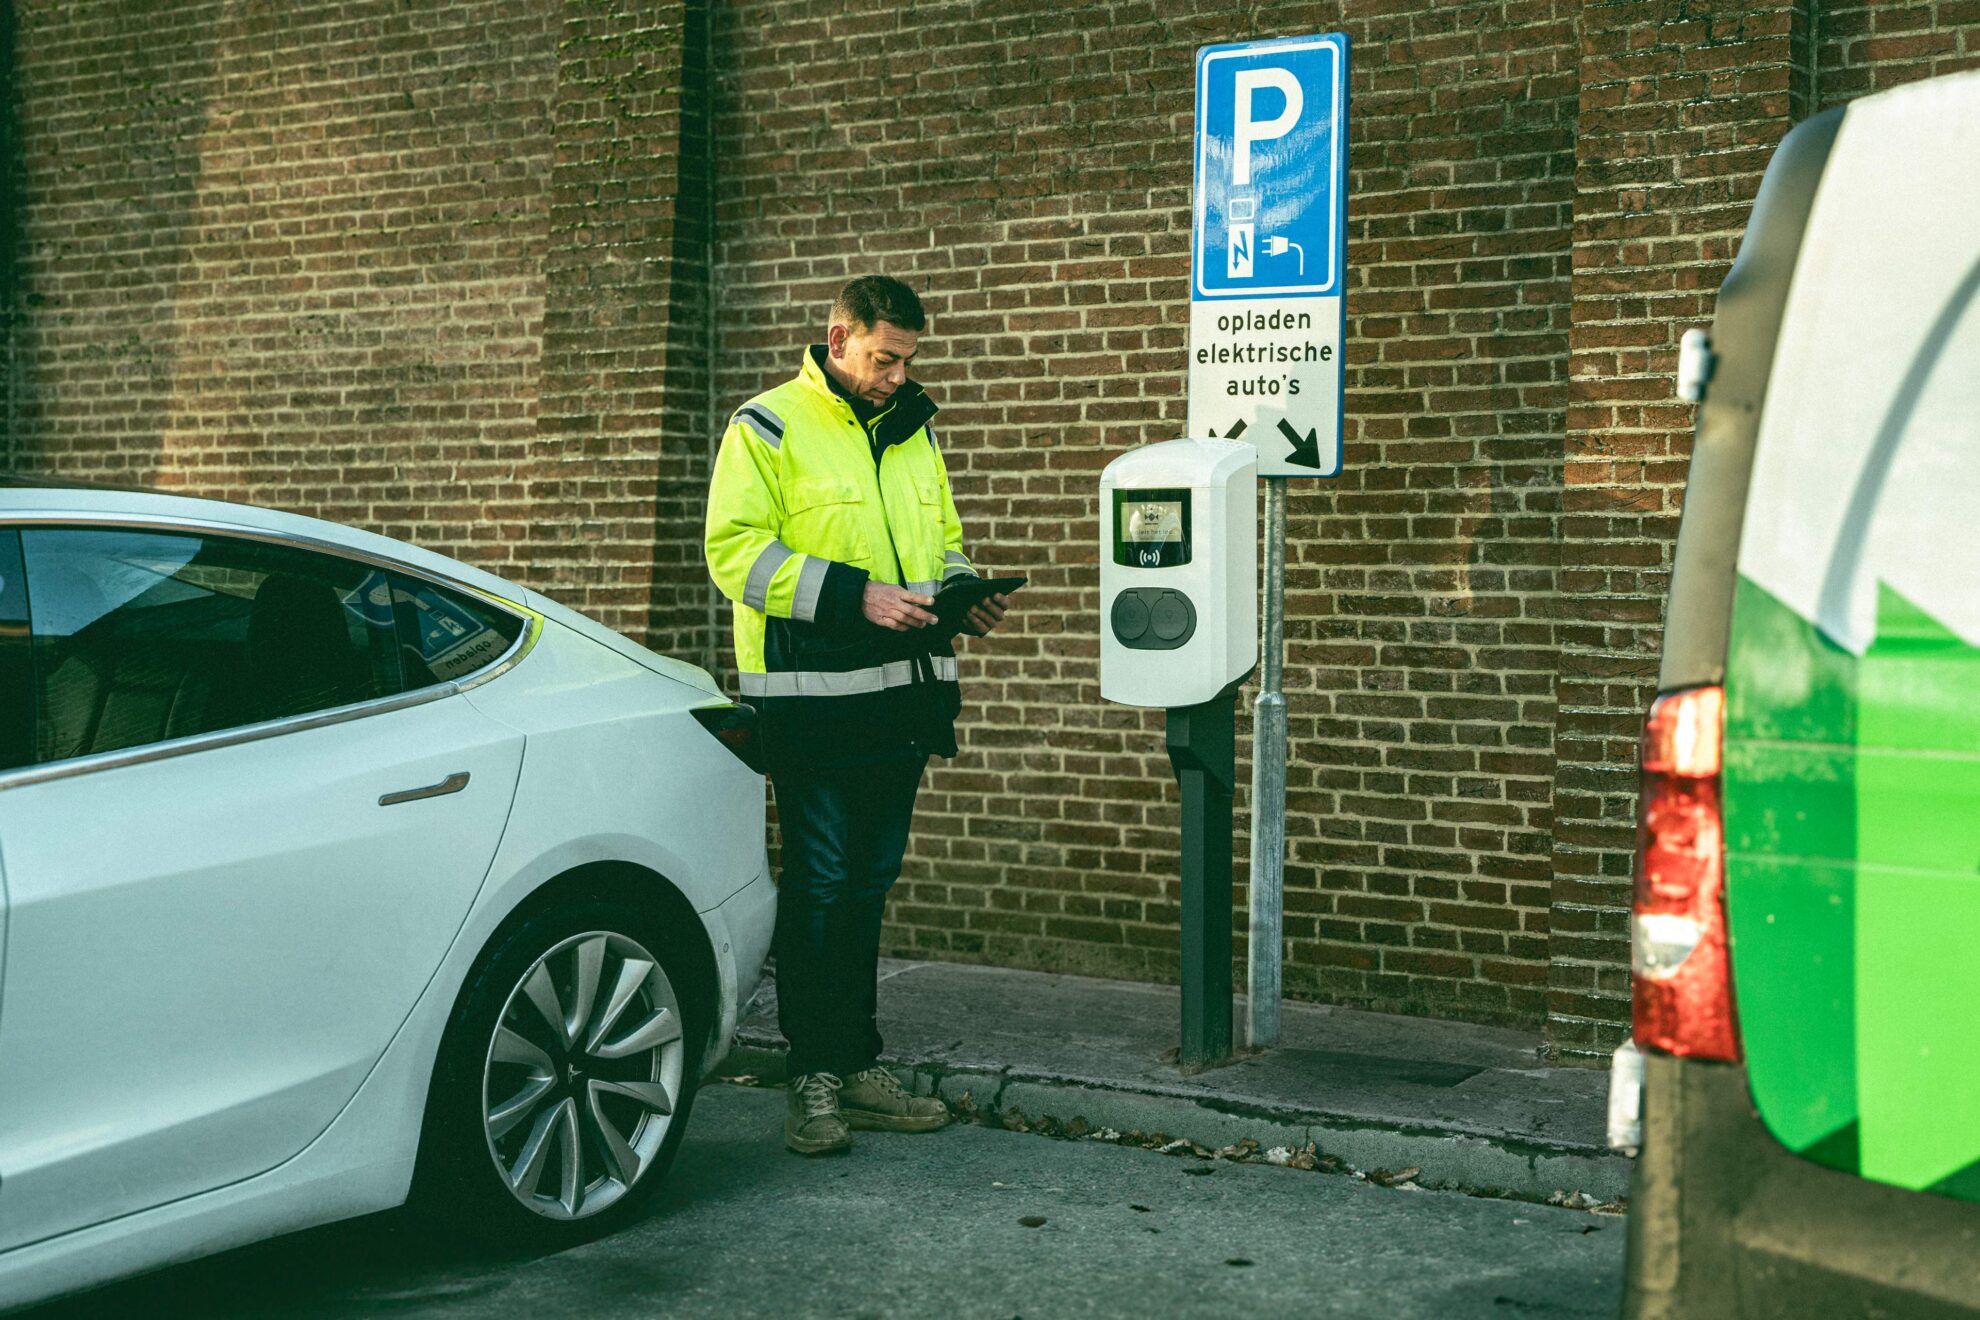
[941, 1224]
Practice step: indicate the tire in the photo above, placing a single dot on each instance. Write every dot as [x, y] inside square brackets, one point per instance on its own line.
[564, 1082]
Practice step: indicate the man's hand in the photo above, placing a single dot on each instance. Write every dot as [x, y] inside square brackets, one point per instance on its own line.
[986, 614]
[896, 607]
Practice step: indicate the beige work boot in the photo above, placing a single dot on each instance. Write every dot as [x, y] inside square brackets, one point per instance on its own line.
[813, 1124]
[874, 1100]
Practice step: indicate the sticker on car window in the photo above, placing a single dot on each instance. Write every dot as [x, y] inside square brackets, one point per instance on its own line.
[371, 600]
[453, 639]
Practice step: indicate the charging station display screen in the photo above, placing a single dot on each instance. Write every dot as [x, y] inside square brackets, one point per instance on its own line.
[1153, 521]
[1151, 528]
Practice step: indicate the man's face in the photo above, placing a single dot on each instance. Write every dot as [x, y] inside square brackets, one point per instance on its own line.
[871, 364]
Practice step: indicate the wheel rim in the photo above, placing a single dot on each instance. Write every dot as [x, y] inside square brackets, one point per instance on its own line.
[581, 1075]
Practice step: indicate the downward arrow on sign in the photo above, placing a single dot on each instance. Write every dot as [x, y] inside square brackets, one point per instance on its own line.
[1306, 451]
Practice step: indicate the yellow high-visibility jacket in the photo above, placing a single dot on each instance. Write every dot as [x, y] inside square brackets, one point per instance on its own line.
[808, 504]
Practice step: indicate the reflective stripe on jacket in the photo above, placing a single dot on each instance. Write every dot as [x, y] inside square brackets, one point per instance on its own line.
[806, 505]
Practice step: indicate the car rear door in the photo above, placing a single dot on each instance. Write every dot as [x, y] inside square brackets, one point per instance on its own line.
[1852, 767]
[257, 815]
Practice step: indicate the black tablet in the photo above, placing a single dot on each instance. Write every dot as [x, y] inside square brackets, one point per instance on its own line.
[959, 595]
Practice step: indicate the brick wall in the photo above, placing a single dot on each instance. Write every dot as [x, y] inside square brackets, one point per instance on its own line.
[487, 276]
[408, 267]
[287, 253]
[1030, 172]
[1680, 108]
[1864, 46]
[611, 502]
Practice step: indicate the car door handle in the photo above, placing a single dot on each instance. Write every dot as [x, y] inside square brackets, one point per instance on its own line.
[453, 783]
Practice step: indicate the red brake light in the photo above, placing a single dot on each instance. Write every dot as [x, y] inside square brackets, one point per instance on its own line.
[1682, 976]
[735, 728]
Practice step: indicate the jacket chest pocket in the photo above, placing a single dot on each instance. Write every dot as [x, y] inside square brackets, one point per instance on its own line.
[822, 516]
[921, 543]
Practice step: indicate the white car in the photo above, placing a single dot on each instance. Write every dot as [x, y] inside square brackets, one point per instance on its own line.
[334, 871]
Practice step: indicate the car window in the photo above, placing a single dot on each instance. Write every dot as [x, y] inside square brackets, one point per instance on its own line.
[16, 662]
[446, 635]
[140, 636]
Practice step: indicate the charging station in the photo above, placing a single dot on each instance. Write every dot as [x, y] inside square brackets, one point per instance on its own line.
[1179, 631]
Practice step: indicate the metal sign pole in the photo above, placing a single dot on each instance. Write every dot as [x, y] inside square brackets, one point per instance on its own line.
[1268, 790]
[1267, 335]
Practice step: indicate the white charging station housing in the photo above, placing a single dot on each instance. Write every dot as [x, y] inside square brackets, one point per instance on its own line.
[1178, 572]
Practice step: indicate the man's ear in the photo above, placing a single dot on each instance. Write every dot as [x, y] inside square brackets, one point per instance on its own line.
[835, 339]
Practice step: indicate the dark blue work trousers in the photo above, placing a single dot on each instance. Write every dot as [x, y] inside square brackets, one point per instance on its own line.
[844, 834]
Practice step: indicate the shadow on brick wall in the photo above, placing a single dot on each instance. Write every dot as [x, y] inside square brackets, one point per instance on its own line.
[101, 216]
[12, 321]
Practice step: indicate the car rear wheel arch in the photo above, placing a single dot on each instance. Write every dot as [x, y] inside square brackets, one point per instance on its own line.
[646, 891]
[611, 894]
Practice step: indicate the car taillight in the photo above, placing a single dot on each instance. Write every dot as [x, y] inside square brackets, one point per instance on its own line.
[1682, 975]
[735, 728]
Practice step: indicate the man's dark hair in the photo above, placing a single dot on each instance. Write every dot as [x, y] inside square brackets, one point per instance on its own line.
[871, 299]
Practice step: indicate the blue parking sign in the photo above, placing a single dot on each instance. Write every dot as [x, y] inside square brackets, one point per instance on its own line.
[1271, 168]
[1267, 315]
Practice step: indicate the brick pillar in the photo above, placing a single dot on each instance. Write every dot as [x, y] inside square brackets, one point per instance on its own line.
[13, 295]
[1682, 102]
[619, 469]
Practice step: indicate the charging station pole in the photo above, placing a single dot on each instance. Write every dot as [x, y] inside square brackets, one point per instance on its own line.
[1179, 633]
[1203, 753]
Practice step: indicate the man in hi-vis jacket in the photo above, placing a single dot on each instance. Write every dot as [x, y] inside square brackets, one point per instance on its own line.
[830, 529]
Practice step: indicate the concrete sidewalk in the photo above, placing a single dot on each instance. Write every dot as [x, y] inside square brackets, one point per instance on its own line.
[1470, 1107]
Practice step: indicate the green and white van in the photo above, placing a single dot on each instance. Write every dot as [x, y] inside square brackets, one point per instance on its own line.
[1807, 920]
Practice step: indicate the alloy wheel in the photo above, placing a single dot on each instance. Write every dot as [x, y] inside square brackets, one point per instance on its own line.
[582, 1075]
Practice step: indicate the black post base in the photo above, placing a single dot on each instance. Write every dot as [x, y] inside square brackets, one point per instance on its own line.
[1203, 751]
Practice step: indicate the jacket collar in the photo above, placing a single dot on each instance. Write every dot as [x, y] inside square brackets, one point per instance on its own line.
[907, 412]
[812, 372]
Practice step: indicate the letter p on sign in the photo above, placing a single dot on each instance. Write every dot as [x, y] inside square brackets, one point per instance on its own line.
[1249, 128]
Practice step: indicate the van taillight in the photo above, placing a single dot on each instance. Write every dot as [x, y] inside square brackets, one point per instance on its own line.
[735, 728]
[1682, 976]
